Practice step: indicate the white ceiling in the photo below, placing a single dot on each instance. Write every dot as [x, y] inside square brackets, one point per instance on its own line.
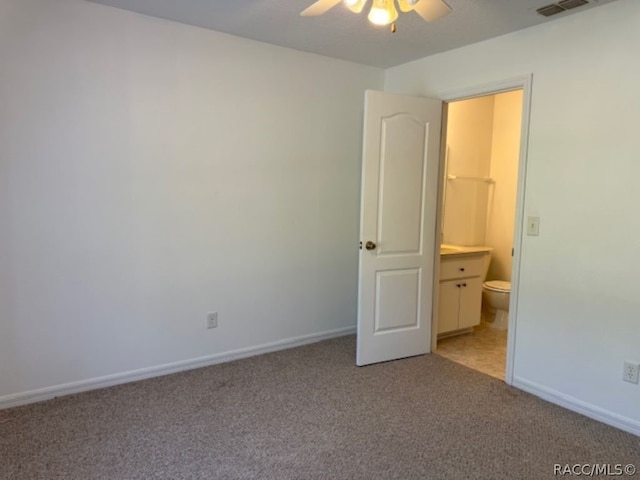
[348, 36]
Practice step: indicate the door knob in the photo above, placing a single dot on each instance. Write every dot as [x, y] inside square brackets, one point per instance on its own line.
[370, 246]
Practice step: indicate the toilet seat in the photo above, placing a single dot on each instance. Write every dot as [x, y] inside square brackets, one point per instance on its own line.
[499, 286]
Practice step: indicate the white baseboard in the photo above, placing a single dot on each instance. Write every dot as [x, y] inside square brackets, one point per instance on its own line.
[575, 405]
[48, 393]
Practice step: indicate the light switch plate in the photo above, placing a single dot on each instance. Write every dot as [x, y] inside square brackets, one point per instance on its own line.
[212, 320]
[533, 226]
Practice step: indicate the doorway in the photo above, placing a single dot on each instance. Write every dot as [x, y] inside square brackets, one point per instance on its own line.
[479, 223]
[401, 223]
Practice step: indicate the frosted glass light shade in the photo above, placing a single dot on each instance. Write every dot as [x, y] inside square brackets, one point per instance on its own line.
[407, 5]
[383, 12]
[355, 6]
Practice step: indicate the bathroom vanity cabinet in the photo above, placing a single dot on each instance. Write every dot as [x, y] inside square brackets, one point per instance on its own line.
[460, 298]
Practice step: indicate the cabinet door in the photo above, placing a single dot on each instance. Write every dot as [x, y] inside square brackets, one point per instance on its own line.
[448, 301]
[470, 302]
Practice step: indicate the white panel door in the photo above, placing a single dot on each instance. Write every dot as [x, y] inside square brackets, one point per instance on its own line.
[398, 219]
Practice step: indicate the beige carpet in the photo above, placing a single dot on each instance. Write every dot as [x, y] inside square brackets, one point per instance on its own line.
[305, 413]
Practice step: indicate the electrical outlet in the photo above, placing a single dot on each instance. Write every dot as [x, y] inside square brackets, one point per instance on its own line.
[212, 320]
[630, 373]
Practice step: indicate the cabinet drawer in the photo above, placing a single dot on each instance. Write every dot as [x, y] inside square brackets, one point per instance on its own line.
[461, 267]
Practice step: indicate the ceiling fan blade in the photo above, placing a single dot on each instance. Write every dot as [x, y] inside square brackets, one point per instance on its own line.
[431, 10]
[320, 7]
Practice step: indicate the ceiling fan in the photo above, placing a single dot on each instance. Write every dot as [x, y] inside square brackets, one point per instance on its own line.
[383, 12]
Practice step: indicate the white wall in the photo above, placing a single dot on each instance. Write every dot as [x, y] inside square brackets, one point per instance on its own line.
[469, 139]
[505, 153]
[151, 172]
[578, 308]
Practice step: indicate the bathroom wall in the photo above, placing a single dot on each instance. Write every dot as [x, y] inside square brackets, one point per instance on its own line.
[483, 140]
[469, 140]
[501, 211]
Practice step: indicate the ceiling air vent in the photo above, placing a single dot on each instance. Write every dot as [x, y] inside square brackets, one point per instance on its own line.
[555, 8]
[569, 4]
[550, 10]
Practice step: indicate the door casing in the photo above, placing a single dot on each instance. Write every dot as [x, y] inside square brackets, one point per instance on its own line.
[523, 83]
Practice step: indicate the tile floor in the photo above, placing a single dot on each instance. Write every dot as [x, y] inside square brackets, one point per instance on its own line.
[484, 349]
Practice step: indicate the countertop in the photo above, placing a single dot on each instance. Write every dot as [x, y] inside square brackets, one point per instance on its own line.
[456, 250]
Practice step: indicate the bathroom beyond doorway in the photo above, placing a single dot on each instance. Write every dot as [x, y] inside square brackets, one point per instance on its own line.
[483, 136]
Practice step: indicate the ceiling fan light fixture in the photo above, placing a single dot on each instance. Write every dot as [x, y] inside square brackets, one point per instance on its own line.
[407, 5]
[383, 12]
[355, 6]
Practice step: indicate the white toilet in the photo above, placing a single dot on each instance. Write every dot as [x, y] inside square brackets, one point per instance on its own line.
[495, 297]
